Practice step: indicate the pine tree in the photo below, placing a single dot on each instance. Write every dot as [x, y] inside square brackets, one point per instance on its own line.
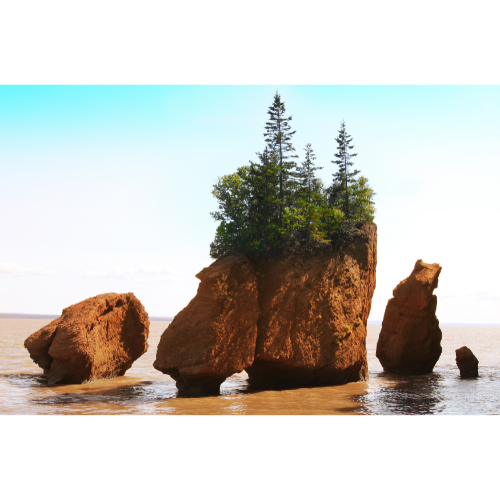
[343, 177]
[279, 138]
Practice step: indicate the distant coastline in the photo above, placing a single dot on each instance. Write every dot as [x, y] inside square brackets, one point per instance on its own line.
[55, 316]
[170, 318]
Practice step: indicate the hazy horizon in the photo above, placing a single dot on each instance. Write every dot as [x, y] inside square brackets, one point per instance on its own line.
[92, 173]
[169, 318]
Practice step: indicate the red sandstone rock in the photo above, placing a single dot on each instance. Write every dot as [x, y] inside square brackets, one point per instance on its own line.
[214, 336]
[97, 338]
[313, 314]
[410, 339]
[467, 363]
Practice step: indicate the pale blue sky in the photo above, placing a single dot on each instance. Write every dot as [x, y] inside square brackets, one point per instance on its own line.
[108, 188]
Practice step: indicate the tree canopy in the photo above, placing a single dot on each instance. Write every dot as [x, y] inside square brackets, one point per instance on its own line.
[274, 205]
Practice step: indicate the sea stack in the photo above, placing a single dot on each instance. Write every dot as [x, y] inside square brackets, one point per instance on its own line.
[410, 338]
[467, 363]
[296, 319]
[97, 338]
[313, 314]
[214, 336]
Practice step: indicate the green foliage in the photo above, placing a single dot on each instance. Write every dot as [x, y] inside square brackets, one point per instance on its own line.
[221, 291]
[360, 197]
[275, 206]
[278, 136]
[343, 178]
[340, 337]
[309, 196]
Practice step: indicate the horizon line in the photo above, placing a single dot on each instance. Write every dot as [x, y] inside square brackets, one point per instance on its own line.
[55, 316]
[170, 318]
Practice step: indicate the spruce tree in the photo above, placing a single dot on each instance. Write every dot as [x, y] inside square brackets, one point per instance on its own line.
[305, 173]
[264, 204]
[279, 138]
[309, 192]
[274, 206]
[343, 177]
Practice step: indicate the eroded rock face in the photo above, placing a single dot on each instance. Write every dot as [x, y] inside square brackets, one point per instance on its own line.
[313, 315]
[97, 338]
[214, 336]
[410, 338]
[467, 363]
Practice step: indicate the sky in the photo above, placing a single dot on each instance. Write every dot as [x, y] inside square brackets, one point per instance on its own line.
[108, 188]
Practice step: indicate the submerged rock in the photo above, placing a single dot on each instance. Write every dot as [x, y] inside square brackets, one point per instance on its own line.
[99, 337]
[410, 338]
[313, 314]
[467, 363]
[214, 336]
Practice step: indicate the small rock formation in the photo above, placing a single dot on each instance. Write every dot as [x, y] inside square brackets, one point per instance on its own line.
[410, 339]
[296, 319]
[214, 336]
[467, 363]
[97, 338]
[314, 310]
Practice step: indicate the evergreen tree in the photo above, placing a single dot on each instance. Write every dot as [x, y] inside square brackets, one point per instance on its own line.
[231, 192]
[362, 204]
[279, 139]
[305, 174]
[343, 177]
[264, 203]
[309, 194]
[274, 206]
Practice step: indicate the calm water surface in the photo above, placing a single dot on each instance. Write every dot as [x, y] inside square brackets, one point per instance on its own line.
[143, 390]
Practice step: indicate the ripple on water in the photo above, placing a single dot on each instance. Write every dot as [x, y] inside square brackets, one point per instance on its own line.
[442, 392]
[143, 390]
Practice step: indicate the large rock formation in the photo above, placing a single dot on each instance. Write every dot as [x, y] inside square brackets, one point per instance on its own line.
[313, 314]
[97, 338]
[467, 363]
[410, 339]
[298, 319]
[214, 336]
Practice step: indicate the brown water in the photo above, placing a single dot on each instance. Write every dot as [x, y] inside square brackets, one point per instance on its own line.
[143, 390]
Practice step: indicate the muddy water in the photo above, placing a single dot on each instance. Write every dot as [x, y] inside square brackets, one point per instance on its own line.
[143, 390]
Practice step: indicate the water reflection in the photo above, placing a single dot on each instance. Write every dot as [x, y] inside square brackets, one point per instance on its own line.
[442, 392]
[143, 390]
[406, 395]
[24, 379]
